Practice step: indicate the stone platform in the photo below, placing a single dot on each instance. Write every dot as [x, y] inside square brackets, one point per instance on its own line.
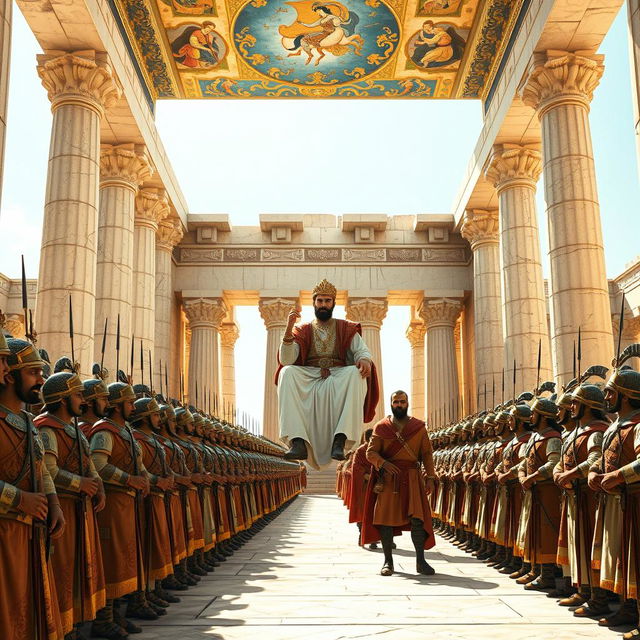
[304, 578]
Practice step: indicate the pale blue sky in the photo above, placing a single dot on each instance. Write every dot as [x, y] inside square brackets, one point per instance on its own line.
[250, 157]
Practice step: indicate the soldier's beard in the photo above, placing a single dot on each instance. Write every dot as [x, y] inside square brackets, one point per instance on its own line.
[323, 314]
[399, 412]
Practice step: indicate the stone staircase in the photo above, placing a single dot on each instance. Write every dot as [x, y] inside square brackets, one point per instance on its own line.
[322, 482]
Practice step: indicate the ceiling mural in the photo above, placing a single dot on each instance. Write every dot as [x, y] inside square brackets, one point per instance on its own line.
[318, 48]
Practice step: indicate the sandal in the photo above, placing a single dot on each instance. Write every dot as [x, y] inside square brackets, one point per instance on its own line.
[387, 569]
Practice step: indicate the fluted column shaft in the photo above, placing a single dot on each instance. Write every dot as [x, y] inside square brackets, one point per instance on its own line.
[481, 228]
[633, 9]
[370, 313]
[122, 170]
[169, 234]
[274, 312]
[79, 87]
[415, 334]
[205, 316]
[514, 170]
[560, 88]
[229, 334]
[6, 12]
[443, 388]
[151, 208]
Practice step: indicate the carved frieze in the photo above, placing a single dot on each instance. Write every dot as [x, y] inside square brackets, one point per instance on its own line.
[322, 255]
[283, 255]
[201, 255]
[403, 255]
[444, 255]
[241, 255]
[363, 255]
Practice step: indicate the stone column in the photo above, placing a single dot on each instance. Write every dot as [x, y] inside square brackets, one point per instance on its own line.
[481, 229]
[633, 7]
[229, 334]
[168, 236]
[560, 87]
[370, 313]
[415, 334]
[151, 209]
[80, 87]
[274, 312]
[205, 316]
[6, 11]
[514, 171]
[440, 317]
[122, 170]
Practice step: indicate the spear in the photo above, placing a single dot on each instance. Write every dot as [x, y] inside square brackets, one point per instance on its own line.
[141, 363]
[118, 347]
[133, 340]
[104, 345]
[485, 394]
[620, 325]
[150, 375]
[25, 302]
[32, 333]
[539, 364]
[197, 405]
[514, 380]
[579, 350]
[493, 392]
[166, 379]
[181, 387]
[574, 376]
[161, 379]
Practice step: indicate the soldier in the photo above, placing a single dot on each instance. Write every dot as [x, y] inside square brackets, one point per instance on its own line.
[96, 401]
[29, 507]
[540, 518]
[581, 450]
[615, 479]
[77, 561]
[118, 460]
[360, 473]
[156, 539]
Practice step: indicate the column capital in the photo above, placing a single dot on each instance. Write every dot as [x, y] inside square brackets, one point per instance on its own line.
[415, 334]
[151, 207]
[275, 311]
[369, 312]
[440, 312]
[169, 234]
[83, 78]
[561, 77]
[480, 227]
[124, 165]
[205, 312]
[513, 165]
[229, 334]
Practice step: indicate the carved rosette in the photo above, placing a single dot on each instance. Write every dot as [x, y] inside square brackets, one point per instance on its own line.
[205, 312]
[440, 312]
[229, 334]
[514, 165]
[275, 311]
[415, 334]
[124, 165]
[369, 312]
[85, 79]
[562, 78]
[151, 208]
[169, 234]
[480, 227]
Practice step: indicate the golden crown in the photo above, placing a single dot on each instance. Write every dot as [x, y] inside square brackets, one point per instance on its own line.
[325, 288]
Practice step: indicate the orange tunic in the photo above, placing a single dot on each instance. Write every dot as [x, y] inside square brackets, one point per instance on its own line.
[360, 472]
[25, 603]
[404, 497]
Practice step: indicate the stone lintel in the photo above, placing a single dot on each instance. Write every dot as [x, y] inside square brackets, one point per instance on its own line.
[281, 226]
[364, 226]
[207, 225]
[436, 225]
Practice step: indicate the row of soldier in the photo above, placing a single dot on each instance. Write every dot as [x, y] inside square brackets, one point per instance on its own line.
[112, 498]
[545, 489]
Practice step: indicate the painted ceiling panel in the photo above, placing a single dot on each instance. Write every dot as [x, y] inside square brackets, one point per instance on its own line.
[318, 48]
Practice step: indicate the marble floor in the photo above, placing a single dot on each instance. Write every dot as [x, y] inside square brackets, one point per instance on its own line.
[304, 578]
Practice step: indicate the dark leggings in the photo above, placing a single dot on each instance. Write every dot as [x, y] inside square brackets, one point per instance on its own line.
[418, 537]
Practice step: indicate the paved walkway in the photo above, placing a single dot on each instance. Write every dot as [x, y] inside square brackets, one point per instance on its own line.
[304, 578]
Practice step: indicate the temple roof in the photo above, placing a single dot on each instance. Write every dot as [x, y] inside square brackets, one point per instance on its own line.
[314, 49]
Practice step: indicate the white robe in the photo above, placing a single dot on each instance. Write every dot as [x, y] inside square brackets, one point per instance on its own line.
[315, 408]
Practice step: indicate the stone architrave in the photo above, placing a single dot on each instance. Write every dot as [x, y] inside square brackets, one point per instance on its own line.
[205, 315]
[481, 229]
[416, 332]
[6, 13]
[440, 316]
[123, 168]
[168, 236]
[560, 87]
[370, 313]
[514, 171]
[274, 312]
[80, 87]
[151, 208]
[229, 334]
